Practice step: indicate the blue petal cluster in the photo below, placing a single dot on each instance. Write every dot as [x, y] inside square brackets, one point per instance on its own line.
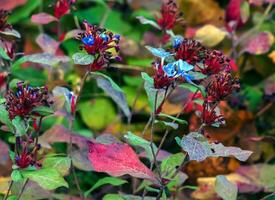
[88, 40]
[177, 69]
[177, 40]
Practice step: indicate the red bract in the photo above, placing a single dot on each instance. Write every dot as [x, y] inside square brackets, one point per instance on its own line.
[215, 62]
[210, 115]
[62, 7]
[3, 76]
[190, 51]
[220, 86]
[22, 102]
[101, 44]
[169, 15]
[117, 159]
[27, 157]
[161, 80]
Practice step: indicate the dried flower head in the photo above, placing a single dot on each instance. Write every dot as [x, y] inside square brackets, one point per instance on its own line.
[191, 51]
[220, 86]
[215, 62]
[102, 44]
[22, 101]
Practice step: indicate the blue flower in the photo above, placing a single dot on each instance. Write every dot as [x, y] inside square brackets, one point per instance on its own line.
[177, 41]
[170, 70]
[104, 37]
[117, 37]
[178, 68]
[88, 40]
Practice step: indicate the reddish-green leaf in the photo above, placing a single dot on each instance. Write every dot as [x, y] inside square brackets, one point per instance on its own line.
[117, 159]
[43, 18]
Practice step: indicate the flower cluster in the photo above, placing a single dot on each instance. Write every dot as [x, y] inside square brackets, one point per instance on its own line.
[100, 43]
[62, 7]
[189, 61]
[22, 101]
[27, 157]
[5, 42]
[169, 15]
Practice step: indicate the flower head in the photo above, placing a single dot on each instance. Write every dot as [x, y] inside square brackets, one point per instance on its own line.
[100, 43]
[62, 7]
[220, 86]
[25, 99]
[27, 157]
[191, 51]
[169, 15]
[161, 80]
[215, 62]
[211, 115]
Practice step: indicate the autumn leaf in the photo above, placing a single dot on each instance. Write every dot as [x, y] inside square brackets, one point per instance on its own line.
[259, 44]
[117, 159]
[210, 35]
[43, 18]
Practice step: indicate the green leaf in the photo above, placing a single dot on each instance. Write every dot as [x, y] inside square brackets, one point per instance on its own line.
[168, 124]
[4, 117]
[82, 58]
[11, 34]
[113, 197]
[226, 189]
[107, 180]
[198, 148]
[143, 20]
[61, 164]
[19, 125]
[23, 11]
[169, 165]
[135, 140]
[13, 197]
[197, 75]
[245, 11]
[97, 114]
[48, 178]
[193, 88]
[151, 91]
[181, 121]
[43, 110]
[3, 54]
[113, 90]
[16, 176]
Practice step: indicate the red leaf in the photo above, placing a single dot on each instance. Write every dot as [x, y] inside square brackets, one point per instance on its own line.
[59, 133]
[260, 43]
[9, 5]
[47, 44]
[43, 18]
[117, 159]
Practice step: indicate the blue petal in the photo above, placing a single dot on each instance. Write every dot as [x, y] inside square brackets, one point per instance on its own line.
[177, 41]
[187, 77]
[89, 40]
[158, 52]
[183, 66]
[117, 37]
[104, 37]
[170, 70]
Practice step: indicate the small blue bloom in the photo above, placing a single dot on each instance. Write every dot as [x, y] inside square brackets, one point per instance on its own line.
[177, 41]
[183, 66]
[178, 68]
[117, 37]
[170, 70]
[104, 37]
[89, 40]
[187, 77]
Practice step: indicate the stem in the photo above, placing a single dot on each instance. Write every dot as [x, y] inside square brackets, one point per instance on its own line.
[8, 192]
[23, 188]
[71, 139]
[264, 109]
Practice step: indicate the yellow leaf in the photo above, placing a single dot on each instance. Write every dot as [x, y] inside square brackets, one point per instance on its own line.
[210, 35]
[4, 184]
[272, 56]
